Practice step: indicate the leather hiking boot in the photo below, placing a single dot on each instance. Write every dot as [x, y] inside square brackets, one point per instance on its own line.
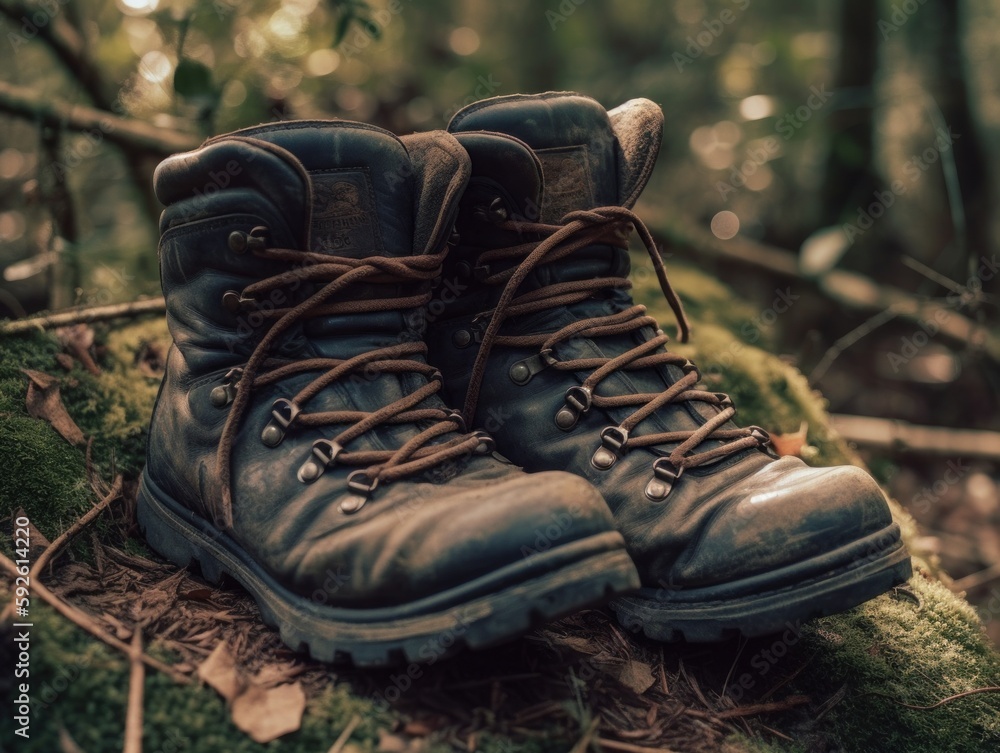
[299, 443]
[545, 347]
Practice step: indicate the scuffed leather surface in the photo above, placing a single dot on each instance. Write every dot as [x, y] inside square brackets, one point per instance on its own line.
[413, 538]
[745, 515]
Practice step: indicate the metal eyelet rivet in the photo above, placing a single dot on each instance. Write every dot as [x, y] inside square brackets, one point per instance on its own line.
[463, 269]
[497, 211]
[309, 472]
[363, 487]
[578, 401]
[486, 444]
[223, 394]
[461, 338]
[603, 459]
[614, 440]
[520, 373]
[283, 413]
[238, 241]
[665, 476]
[231, 301]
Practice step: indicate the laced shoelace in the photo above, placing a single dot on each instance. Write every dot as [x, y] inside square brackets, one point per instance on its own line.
[333, 275]
[612, 226]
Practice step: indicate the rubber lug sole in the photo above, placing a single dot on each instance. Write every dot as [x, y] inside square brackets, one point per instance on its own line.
[704, 616]
[376, 638]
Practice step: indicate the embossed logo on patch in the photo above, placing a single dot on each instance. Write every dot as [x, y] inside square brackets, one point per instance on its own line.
[344, 219]
[566, 172]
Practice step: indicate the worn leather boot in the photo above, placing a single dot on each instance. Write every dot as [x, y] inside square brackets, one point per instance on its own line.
[546, 347]
[299, 443]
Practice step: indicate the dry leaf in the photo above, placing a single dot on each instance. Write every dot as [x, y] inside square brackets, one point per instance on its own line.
[636, 675]
[219, 671]
[43, 402]
[389, 743]
[151, 360]
[78, 339]
[790, 444]
[197, 594]
[268, 714]
[66, 743]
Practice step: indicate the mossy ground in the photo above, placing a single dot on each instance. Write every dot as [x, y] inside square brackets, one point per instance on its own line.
[916, 646]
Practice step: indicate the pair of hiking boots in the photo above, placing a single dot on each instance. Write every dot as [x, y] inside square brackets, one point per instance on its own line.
[333, 291]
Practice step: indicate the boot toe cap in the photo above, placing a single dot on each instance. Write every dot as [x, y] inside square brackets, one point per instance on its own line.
[786, 513]
[433, 540]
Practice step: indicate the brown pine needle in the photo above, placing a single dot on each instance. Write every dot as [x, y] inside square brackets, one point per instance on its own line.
[86, 622]
[942, 702]
[133, 713]
[628, 747]
[345, 735]
[584, 742]
[52, 549]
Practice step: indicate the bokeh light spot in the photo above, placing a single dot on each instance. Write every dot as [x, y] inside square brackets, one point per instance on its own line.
[725, 225]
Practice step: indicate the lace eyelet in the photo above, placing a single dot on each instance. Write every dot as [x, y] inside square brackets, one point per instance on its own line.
[614, 441]
[578, 401]
[363, 487]
[522, 372]
[324, 455]
[665, 477]
[223, 394]
[283, 414]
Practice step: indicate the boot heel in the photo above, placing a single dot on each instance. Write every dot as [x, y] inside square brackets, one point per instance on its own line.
[169, 542]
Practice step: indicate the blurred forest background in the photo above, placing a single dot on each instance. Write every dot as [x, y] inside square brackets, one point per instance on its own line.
[836, 163]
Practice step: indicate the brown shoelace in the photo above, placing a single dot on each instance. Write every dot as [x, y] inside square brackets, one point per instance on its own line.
[336, 274]
[606, 225]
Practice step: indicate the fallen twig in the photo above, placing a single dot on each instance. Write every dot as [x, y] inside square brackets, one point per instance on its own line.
[751, 710]
[849, 289]
[932, 440]
[133, 712]
[942, 702]
[628, 747]
[345, 735]
[84, 314]
[84, 621]
[584, 742]
[69, 533]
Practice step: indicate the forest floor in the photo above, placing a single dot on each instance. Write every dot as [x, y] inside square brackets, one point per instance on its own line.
[908, 672]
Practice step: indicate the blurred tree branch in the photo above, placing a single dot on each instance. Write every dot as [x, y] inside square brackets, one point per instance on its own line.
[848, 289]
[69, 45]
[126, 132]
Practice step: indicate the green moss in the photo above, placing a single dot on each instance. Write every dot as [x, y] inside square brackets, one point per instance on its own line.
[915, 650]
[42, 473]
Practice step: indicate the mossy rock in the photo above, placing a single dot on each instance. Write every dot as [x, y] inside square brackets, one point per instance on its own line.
[915, 646]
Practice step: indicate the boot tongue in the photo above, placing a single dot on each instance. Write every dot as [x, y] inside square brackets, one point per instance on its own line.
[362, 185]
[572, 137]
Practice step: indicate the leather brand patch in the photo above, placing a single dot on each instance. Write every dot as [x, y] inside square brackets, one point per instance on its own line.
[344, 220]
[566, 173]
